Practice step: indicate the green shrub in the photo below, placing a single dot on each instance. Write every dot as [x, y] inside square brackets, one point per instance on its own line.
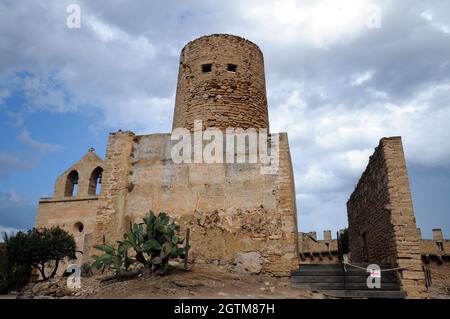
[154, 242]
[13, 276]
[41, 248]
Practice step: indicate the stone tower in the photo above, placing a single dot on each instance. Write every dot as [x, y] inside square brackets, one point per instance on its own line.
[221, 82]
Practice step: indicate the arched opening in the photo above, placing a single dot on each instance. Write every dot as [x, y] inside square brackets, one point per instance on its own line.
[78, 227]
[71, 184]
[95, 181]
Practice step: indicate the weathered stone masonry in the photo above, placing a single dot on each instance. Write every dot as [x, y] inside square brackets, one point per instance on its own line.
[382, 226]
[232, 209]
[77, 214]
[220, 97]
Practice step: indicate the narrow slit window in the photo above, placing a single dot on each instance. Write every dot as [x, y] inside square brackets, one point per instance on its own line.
[207, 68]
[440, 246]
[232, 68]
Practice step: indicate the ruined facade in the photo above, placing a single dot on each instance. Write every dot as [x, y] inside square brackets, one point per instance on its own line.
[230, 208]
[435, 254]
[382, 225]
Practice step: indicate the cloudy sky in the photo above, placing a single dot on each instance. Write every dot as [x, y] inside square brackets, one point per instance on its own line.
[340, 75]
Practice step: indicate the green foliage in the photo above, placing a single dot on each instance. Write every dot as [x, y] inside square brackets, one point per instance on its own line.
[154, 242]
[343, 237]
[42, 247]
[116, 259]
[13, 276]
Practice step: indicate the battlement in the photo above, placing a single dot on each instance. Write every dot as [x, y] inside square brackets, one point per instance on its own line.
[324, 251]
[313, 250]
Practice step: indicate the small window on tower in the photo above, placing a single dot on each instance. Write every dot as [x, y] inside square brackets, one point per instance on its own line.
[206, 68]
[232, 67]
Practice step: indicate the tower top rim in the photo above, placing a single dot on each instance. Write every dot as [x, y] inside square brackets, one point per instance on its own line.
[222, 35]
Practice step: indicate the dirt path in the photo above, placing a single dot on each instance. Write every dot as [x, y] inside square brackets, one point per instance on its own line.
[200, 282]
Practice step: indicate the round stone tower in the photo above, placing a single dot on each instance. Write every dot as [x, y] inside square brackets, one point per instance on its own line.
[221, 82]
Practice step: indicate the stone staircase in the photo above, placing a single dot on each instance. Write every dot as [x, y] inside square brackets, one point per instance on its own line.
[332, 280]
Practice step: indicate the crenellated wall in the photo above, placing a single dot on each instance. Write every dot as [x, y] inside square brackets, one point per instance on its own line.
[436, 257]
[318, 251]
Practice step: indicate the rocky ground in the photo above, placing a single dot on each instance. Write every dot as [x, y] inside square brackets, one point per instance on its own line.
[199, 282]
[439, 291]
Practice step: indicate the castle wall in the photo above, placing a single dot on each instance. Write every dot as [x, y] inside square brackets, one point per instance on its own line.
[430, 247]
[230, 208]
[111, 223]
[382, 226]
[436, 257]
[70, 214]
[221, 98]
[313, 251]
[439, 269]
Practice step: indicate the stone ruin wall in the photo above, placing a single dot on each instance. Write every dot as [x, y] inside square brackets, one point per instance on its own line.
[231, 209]
[382, 226]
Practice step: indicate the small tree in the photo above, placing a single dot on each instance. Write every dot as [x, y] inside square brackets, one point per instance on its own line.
[154, 242]
[12, 274]
[42, 247]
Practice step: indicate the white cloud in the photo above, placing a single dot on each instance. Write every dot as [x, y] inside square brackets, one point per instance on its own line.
[145, 114]
[318, 23]
[10, 162]
[429, 16]
[361, 78]
[26, 138]
[317, 179]
[8, 231]
[335, 85]
[16, 209]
